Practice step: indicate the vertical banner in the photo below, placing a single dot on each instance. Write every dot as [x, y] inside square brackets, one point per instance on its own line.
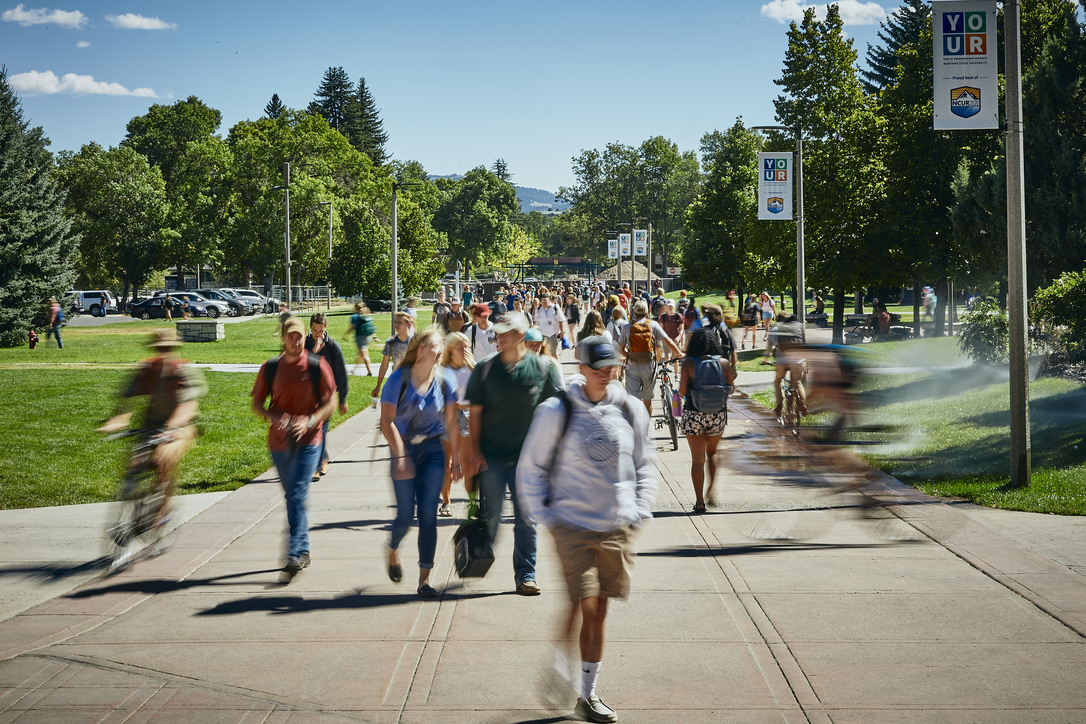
[641, 242]
[775, 186]
[624, 244]
[612, 248]
[966, 68]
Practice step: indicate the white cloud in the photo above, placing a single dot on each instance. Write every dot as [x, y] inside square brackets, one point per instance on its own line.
[44, 16]
[853, 12]
[82, 44]
[47, 83]
[132, 21]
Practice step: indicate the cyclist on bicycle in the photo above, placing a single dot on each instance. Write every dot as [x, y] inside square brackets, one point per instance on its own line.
[638, 342]
[787, 342]
[174, 388]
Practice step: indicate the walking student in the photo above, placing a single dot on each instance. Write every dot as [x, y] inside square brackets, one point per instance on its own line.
[458, 359]
[301, 387]
[705, 380]
[395, 348]
[363, 327]
[319, 343]
[638, 343]
[551, 322]
[418, 406]
[503, 392]
[586, 473]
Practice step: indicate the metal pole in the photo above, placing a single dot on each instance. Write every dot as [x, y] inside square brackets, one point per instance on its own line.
[1016, 251]
[286, 191]
[648, 282]
[395, 287]
[801, 271]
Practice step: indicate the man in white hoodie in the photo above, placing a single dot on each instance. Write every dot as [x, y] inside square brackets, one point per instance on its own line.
[586, 472]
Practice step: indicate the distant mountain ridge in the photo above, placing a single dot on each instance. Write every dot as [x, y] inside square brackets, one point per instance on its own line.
[531, 199]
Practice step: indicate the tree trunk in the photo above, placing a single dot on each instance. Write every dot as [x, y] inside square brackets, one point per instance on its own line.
[858, 302]
[940, 310]
[916, 307]
[838, 316]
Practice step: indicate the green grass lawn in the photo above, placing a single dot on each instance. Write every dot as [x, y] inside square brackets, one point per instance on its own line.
[55, 457]
[251, 341]
[951, 425]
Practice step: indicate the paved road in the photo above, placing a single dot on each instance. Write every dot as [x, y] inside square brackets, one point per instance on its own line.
[779, 605]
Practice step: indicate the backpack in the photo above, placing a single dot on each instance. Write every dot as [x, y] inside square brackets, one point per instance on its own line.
[709, 390]
[60, 315]
[641, 341]
[366, 325]
[313, 364]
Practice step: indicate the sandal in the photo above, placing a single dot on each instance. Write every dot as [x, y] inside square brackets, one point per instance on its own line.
[699, 508]
[444, 510]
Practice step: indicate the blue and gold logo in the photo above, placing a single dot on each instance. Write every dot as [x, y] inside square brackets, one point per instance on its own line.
[774, 204]
[965, 101]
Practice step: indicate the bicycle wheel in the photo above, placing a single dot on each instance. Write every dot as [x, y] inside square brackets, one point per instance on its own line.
[669, 414]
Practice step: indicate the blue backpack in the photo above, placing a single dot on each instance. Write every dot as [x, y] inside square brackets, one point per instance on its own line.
[709, 390]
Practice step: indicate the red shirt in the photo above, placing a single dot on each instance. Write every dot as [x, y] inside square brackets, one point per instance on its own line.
[292, 393]
[671, 323]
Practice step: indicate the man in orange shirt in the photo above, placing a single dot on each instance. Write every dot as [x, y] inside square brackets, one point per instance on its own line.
[301, 387]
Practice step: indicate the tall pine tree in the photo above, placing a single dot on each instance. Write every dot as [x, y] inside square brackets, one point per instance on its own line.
[372, 137]
[37, 246]
[903, 27]
[275, 107]
[333, 98]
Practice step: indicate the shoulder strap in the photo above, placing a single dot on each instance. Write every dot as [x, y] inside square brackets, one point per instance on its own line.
[567, 415]
[270, 368]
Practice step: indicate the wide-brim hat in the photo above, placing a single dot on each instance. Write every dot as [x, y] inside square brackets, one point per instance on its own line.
[165, 339]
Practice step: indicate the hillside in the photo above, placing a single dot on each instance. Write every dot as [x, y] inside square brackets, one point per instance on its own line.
[530, 199]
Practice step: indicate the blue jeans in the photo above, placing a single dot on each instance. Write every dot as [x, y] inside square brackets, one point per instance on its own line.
[54, 331]
[499, 475]
[295, 471]
[421, 492]
[324, 442]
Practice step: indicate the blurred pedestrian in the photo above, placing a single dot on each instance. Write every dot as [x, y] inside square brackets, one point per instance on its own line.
[586, 473]
[319, 343]
[395, 348]
[363, 327]
[458, 359]
[301, 387]
[417, 406]
[56, 321]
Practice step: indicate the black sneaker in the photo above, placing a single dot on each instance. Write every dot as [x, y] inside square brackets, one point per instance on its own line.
[593, 709]
[296, 563]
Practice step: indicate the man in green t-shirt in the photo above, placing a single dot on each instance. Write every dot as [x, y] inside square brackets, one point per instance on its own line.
[503, 391]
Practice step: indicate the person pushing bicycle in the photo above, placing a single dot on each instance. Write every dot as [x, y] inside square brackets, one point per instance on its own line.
[174, 389]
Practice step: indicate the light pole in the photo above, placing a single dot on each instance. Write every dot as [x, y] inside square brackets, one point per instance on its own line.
[801, 281]
[396, 185]
[286, 234]
[630, 225]
[329, 275]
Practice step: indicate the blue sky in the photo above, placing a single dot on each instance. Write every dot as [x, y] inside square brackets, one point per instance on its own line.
[458, 84]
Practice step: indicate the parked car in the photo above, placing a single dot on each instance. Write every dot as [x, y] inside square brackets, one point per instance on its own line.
[201, 306]
[91, 301]
[153, 308]
[265, 304]
[236, 305]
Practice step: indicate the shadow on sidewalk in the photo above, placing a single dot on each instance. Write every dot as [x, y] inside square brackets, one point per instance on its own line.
[753, 548]
[154, 586]
[356, 600]
[48, 573]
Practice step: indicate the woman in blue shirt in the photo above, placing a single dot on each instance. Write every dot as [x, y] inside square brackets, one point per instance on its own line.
[418, 404]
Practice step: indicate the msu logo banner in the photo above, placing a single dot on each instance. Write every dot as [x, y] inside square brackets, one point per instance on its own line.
[965, 101]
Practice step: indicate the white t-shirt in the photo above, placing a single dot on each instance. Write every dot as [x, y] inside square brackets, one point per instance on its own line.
[548, 320]
[484, 341]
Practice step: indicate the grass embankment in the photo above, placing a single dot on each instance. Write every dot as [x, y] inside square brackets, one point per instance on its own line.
[53, 456]
[952, 428]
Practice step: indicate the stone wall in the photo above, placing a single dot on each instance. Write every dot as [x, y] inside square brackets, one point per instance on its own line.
[201, 330]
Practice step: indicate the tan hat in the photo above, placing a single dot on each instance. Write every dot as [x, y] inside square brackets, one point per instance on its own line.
[293, 325]
[165, 339]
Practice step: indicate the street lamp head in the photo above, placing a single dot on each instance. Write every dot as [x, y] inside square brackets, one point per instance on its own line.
[325, 203]
[278, 188]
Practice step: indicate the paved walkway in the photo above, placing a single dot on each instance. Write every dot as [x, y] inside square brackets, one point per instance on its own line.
[779, 605]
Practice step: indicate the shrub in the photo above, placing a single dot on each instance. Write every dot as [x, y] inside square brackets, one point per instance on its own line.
[984, 337]
[1060, 309]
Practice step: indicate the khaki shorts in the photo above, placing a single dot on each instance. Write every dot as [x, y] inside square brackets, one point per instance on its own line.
[640, 377]
[595, 564]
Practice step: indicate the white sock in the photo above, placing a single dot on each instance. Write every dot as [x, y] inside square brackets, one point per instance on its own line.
[590, 671]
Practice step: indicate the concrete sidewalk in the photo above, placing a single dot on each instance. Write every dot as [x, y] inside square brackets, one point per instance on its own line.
[779, 605]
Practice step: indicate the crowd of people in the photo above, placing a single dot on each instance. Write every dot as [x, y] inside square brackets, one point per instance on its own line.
[477, 397]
